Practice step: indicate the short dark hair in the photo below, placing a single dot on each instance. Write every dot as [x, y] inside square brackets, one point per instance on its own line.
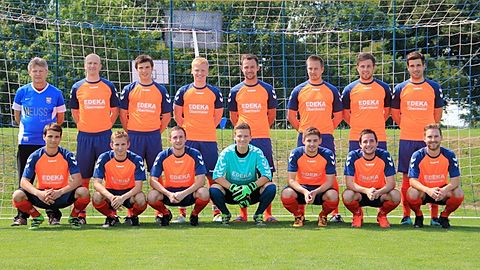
[177, 128]
[312, 131]
[52, 127]
[248, 56]
[365, 132]
[242, 125]
[414, 56]
[314, 57]
[432, 126]
[143, 58]
[365, 56]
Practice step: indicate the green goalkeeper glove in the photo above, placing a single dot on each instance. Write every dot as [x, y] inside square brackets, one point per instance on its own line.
[234, 188]
[244, 203]
[245, 190]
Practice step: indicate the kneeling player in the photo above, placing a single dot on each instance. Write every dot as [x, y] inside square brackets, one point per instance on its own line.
[369, 174]
[429, 170]
[236, 180]
[52, 165]
[124, 173]
[184, 171]
[311, 175]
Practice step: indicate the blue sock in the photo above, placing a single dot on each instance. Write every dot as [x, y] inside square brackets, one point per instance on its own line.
[218, 199]
[266, 198]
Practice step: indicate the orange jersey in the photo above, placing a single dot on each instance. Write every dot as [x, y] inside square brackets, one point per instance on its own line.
[252, 103]
[312, 170]
[433, 171]
[315, 104]
[178, 172]
[416, 102]
[119, 175]
[51, 171]
[366, 102]
[369, 173]
[94, 100]
[145, 104]
[199, 106]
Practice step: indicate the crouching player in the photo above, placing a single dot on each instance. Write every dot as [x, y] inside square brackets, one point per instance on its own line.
[429, 170]
[369, 174]
[52, 165]
[123, 172]
[311, 175]
[236, 179]
[184, 172]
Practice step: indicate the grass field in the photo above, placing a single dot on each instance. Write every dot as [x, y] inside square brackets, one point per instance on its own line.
[241, 246]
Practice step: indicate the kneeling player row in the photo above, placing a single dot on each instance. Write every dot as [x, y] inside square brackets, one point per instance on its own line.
[242, 176]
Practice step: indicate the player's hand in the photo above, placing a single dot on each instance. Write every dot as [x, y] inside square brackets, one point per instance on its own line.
[376, 194]
[234, 188]
[434, 193]
[442, 194]
[172, 197]
[371, 193]
[244, 191]
[44, 196]
[55, 194]
[180, 196]
[117, 201]
[308, 197]
[244, 203]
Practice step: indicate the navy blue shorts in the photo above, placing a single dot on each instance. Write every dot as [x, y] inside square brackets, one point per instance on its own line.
[146, 144]
[265, 144]
[318, 200]
[209, 151]
[354, 145]
[89, 147]
[253, 198]
[120, 192]
[365, 201]
[327, 141]
[406, 149]
[65, 200]
[187, 201]
[429, 199]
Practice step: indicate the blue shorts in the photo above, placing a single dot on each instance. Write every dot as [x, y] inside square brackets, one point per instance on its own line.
[253, 198]
[265, 144]
[354, 145]
[365, 201]
[431, 200]
[120, 192]
[209, 151]
[89, 147]
[187, 201]
[146, 144]
[316, 201]
[406, 149]
[327, 141]
[65, 200]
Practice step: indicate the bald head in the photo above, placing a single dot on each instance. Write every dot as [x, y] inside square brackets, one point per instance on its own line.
[92, 67]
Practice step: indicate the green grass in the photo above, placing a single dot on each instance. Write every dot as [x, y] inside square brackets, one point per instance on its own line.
[241, 246]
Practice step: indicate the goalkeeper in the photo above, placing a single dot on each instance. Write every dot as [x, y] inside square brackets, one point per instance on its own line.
[242, 176]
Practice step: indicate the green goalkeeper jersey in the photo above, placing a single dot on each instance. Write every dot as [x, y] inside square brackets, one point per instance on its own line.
[242, 170]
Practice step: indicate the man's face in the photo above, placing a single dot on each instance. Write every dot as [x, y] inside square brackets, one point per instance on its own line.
[144, 70]
[120, 146]
[365, 69]
[368, 144]
[312, 142]
[416, 69]
[242, 137]
[250, 69]
[433, 139]
[52, 138]
[38, 74]
[92, 64]
[315, 70]
[200, 73]
[178, 139]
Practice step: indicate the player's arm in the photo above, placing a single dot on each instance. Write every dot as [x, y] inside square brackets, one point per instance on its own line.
[454, 183]
[272, 114]
[199, 182]
[217, 116]
[165, 120]
[124, 119]
[98, 185]
[293, 183]
[330, 179]
[60, 118]
[16, 115]
[117, 202]
[346, 116]
[178, 114]
[386, 112]
[222, 181]
[389, 185]
[432, 192]
[234, 118]
[114, 111]
[155, 184]
[43, 195]
[337, 118]
[355, 187]
[76, 115]
[74, 182]
[396, 115]
[293, 119]
[437, 114]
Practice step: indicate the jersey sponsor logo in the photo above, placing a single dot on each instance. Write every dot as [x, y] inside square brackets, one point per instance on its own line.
[146, 107]
[179, 177]
[198, 92]
[311, 161]
[434, 162]
[311, 174]
[94, 104]
[369, 178]
[315, 106]
[51, 179]
[120, 166]
[251, 90]
[434, 177]
[417, 105]
[121, 181]
[371, 104]
[35, 111]
[237, 175]
[93, 86]
[198, 108]
[251, 107]
[179, 161]
[369, 164]
[52, 161]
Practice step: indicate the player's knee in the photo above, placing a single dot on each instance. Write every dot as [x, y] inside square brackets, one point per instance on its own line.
[216, 187]
[202, 193]
[140, 199]
[19, 195]
[97, 197]
[394, 196]
[82, 192]
[458, 192]
[348, 195]
[269, 188]
[153, 196]
[413, 193]
[331, 195]
[289, 193]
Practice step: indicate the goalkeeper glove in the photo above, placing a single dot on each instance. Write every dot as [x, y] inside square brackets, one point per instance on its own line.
[244, 191]
[234, 188]
[244, 203]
